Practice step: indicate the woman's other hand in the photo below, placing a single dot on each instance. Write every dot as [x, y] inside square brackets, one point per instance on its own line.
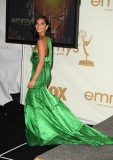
[31, 84]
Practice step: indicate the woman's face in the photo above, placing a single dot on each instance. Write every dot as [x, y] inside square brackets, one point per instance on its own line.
[41, 26]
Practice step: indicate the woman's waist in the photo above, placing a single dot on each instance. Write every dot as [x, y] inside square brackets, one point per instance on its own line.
[36, 62]
[45, 67]
[44, 72]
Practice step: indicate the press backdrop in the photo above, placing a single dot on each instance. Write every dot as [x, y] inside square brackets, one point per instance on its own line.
[83, 78]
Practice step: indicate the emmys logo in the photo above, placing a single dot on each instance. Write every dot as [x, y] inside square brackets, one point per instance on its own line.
[13, 34]
[101, 3]
[99, 97]
[86, 62]
[58, 91]
[62, 51]
[21, 21]
[65, 51]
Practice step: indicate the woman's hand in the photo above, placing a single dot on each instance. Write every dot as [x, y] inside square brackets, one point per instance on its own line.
[31, 84]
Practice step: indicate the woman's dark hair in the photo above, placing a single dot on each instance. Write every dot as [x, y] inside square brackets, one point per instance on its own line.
[48, 31]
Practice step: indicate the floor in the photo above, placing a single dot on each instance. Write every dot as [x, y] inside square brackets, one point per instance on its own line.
[12, 134]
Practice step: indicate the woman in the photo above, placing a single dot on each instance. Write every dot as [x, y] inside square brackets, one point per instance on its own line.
[48, 120]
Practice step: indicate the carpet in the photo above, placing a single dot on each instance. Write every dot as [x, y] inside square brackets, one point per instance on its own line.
[84, 152]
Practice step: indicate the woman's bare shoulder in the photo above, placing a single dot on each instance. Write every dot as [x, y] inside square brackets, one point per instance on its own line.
[41, 40]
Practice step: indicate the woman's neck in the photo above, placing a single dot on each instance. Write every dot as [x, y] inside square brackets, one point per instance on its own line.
[42, 36]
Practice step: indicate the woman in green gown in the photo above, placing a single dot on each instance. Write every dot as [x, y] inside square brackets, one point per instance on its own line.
[48, 120]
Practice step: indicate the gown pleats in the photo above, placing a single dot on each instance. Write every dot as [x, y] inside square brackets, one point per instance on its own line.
[48, 120]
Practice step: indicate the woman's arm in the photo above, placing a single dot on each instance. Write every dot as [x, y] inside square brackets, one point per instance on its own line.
[41, 48]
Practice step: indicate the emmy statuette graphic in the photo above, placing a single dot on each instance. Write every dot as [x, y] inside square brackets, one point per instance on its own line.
[56, 21]
[86, 62]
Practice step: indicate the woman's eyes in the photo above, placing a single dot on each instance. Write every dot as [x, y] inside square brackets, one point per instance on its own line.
[40, 24]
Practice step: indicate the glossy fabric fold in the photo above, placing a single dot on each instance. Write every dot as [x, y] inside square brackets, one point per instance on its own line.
[48, 120]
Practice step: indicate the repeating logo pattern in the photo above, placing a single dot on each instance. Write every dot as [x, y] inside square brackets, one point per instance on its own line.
[59, 92]
[86, 62]
[102, 99]
[85, 44]
[106, 4]
[101, 3]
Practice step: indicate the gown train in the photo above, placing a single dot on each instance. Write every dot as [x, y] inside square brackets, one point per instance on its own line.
[48, 120]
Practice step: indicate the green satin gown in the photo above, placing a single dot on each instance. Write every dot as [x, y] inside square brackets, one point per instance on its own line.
[48, 120]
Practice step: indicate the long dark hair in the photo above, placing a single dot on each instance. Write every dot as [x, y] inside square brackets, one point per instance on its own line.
[48, 31]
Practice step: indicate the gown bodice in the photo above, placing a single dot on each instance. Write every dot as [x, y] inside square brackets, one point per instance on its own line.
[45, 74]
